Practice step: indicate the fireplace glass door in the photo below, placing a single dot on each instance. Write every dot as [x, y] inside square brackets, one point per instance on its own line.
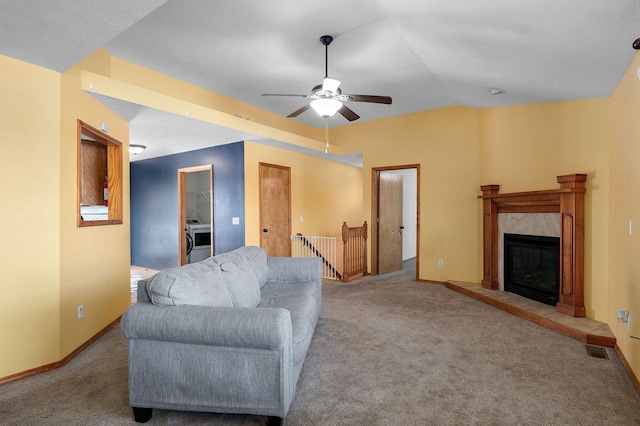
[532, 267]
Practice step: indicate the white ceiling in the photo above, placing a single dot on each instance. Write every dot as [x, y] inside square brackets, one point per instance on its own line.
[425, 54]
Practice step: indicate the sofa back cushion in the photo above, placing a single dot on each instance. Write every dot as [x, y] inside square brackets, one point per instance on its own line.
[257, 258]
[241, 282]
[244, 270]
[192, 284]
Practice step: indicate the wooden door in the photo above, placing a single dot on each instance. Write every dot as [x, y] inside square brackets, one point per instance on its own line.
[94, 172]
[275, 210]
[389, 222]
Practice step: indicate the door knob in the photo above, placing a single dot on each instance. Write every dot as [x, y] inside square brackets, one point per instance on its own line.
[265, 230]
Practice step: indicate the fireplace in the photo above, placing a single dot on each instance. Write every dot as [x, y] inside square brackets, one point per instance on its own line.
[568, 201]
[532, 267]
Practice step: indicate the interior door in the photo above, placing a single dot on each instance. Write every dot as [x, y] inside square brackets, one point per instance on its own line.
[275, 210]
[389, 222]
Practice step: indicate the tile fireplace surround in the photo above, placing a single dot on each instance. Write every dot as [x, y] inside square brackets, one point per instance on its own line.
[568, 203]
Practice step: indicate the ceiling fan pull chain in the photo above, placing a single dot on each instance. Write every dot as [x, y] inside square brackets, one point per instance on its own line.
[326, 135]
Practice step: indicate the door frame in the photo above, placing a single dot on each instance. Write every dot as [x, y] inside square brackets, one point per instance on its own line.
[375, 193]
[182, 208]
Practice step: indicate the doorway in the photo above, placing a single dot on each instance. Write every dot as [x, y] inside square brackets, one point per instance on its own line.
[395, 207]
[195, 227]
[275, 209]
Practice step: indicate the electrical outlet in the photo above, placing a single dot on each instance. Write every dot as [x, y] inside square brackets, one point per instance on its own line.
[80, 311]
[440, 263]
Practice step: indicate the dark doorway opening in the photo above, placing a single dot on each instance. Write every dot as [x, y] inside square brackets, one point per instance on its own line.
[532, 267]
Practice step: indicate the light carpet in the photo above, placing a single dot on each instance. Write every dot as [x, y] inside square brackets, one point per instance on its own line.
[387, 351]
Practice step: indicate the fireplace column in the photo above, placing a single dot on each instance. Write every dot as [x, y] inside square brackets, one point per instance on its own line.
[572, 245]
[490, 230]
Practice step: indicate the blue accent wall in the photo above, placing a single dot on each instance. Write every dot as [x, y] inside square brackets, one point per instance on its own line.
[154, 203]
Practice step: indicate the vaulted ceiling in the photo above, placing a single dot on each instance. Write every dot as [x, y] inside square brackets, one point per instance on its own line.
[425, 54]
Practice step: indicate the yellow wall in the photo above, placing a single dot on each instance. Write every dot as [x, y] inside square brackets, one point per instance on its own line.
[49, 265]
[324, 192]
[29, 216]
[444, 143]
[458, 149]
[94, 260]
[624, 253]
[524, 148]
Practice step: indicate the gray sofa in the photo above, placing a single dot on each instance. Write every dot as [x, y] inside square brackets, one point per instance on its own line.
[225, 335]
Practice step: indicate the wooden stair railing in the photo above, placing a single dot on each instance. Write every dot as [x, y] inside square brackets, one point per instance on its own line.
[355, 252]
[317, 253]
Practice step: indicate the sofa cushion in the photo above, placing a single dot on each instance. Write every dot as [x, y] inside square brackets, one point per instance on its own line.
[241, 282]
[193, 284]
[281, 289]
[304, 315]
[257, 258]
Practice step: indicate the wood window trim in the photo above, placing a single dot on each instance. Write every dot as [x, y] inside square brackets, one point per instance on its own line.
[114, 176]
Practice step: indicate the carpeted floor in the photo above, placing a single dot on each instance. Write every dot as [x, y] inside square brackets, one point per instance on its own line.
[387, 351]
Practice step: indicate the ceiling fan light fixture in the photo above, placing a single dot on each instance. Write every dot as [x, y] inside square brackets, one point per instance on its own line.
[326, 107]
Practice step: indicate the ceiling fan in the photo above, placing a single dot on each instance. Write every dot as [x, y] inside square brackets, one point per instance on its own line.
[328, 98]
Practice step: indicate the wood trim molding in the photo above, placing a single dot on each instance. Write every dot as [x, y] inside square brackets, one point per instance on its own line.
[25, 374]
[627, 367]
[373, 238]
[568, 201]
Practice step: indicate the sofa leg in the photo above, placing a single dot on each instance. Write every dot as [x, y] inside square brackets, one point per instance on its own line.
[274, 421]
[142, 415]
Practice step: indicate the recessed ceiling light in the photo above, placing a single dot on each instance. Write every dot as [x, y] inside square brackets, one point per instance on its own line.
[495, 91]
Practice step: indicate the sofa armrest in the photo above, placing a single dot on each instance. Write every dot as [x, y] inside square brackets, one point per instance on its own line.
[259, 328]
[294, 269]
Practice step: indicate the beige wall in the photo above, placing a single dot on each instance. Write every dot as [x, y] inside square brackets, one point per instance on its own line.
[624, 249]
[445, 144]
[524, 148]
[29, 216]
[324, 192]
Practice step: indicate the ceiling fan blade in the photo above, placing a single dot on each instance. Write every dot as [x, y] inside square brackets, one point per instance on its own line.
[348, 113]
[330, 85]
[371, 98]
[299, 111]
[284, 94]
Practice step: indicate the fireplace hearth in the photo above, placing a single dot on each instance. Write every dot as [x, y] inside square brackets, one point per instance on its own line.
[532, 267]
